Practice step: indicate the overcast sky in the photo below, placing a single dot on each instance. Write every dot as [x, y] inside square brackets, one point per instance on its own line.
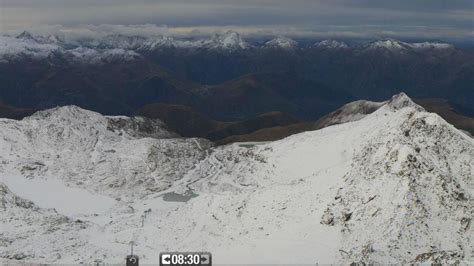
[439, 19]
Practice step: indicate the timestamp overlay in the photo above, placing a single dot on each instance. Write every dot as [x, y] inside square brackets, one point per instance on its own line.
[185, 258]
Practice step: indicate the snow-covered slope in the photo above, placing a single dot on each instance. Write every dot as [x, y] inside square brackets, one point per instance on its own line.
[25, 45]
[136, 43]
[22, 219]
[83, 54]
[230, 40]
[109, 47]
[349, 112]
[281, 42]
[110, 154]
[15, 47]
[389, 44]
[331, 44]
[431, 45]
[396, 45]
[394, 186]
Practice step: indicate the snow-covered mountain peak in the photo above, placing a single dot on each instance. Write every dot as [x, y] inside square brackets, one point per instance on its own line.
[119, 41]
[230, 40]
[137, 43]
[118, 46]
[331, 44]
[360, 109]
[12, 48]
[68, 112]
[97, 56]
[402, 100]
[25, 35]
[54, 39]
[350, 112]
[17, 47]
[78, 118]
[389, 44]
[281, 42]
[398, 167]
[392, 187]
[160, 42]
[396, 45]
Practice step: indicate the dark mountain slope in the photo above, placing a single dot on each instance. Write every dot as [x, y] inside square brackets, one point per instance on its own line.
[257, 93]
[190, 123]
[14, 113]
[181, 119]
[361, 72]
[266, 120]
[347, 113]
[236, 85]
[109, 88]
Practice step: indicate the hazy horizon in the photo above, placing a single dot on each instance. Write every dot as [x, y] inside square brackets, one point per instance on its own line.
[339, 19]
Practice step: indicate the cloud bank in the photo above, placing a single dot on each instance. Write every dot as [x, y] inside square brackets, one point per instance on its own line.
[440, 19]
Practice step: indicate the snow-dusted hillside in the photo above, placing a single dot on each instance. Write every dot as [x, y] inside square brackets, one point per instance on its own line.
[109, 47]
[394, 186]
[281, 42]
[110, 154]
[229, 40]
[349, 112]
[396, 45]
[331, 44]
[26, 46]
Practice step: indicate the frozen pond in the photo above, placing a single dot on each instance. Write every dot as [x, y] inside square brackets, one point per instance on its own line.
[175, 197]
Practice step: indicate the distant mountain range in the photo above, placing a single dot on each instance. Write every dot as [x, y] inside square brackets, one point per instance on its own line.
[44, 46]
[225, 77]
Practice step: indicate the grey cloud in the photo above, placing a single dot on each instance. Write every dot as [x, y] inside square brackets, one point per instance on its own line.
[360, 17]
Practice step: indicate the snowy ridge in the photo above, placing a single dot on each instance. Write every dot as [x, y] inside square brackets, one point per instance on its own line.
[89, 55]
[117, 152]
[431, 45]
[230, 40]
[331, 44]
[16, 47]
[281, 42]
[108, 48]
[396, 45]
[124, 47]
[350, 112]
[132, 42]
[393, 187]
[389, 44]
[415, 208]
[27, 46]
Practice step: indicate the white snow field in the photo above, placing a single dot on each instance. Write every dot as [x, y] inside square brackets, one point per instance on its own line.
[393, 187]
[66, 200]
